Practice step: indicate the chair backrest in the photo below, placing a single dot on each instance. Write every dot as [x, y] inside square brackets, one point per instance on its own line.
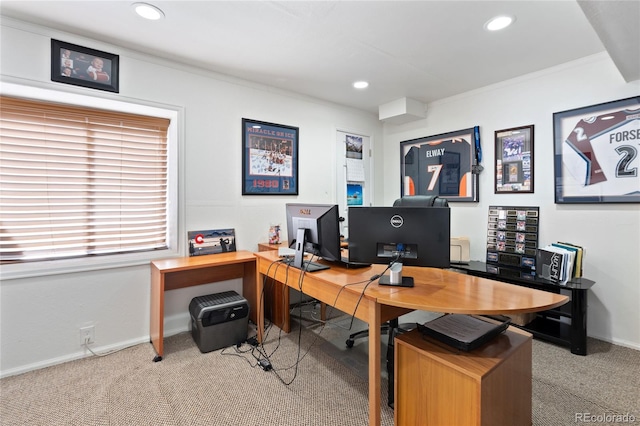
[421, 201]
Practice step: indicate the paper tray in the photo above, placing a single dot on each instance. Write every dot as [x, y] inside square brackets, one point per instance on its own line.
[464, 332]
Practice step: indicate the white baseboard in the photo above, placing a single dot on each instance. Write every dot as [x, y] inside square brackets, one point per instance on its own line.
[619, 342]
[72, 357]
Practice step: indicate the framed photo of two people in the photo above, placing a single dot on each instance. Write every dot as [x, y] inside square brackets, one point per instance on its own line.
[81, 66]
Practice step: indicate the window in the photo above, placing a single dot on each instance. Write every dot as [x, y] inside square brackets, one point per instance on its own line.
[78, 181]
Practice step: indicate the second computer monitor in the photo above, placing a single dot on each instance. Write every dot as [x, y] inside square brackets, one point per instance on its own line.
[313, 228]
[415, 236]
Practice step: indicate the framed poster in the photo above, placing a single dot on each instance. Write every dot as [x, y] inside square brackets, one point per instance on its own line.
[514, 160]
[596, 153]
[445, 165]
[269, 158]
[81, 66]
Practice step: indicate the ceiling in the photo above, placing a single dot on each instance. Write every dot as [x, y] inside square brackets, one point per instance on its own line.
[421, 50]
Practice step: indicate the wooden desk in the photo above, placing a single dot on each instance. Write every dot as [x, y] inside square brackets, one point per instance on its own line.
[277, 298]
[181, 272]
[435, 290]
[439, 385]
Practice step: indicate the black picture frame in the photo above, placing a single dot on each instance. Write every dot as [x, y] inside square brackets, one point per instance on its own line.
[596, 158]
[269, 158]
[446, 165]
[82, 66]
[514, 160]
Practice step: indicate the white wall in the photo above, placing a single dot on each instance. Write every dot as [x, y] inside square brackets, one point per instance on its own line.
[40, 317]
[609, 232]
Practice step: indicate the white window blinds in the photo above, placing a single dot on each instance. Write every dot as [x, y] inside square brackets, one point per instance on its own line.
[76, 181]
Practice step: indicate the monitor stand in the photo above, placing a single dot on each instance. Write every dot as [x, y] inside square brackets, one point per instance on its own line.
[298, 259]
[395, 277]
[405, 282]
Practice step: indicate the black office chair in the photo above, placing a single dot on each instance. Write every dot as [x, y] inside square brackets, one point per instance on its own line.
[392, 327]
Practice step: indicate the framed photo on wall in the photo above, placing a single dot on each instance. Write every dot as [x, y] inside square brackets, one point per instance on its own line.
[596, 153]
[81, 66]
[445, 165]
[514, 160]
[269, 158]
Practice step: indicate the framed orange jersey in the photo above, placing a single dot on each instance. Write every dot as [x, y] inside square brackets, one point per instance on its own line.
[445, 165]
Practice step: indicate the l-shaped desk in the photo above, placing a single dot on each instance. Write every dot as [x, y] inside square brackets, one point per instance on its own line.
[435, 290]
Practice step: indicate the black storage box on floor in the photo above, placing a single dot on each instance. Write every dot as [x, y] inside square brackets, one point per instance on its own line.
[219, 320]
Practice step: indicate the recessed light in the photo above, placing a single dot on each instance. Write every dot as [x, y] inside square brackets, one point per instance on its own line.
[148, 11]
[499, 22]
[361, 84]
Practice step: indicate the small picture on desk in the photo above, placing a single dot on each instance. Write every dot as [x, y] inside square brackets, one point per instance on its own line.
[211, 241]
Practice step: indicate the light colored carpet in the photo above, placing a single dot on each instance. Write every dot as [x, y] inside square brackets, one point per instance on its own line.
[191, 388]
[329, 386]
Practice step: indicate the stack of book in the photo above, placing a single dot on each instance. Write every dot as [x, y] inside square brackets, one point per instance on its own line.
[560, 262]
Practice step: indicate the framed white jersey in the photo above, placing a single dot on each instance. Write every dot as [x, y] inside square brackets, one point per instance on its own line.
[441, 165]
[597, 153]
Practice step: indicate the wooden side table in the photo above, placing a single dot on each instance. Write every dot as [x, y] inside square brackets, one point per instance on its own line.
[181, 272]
[435, 384]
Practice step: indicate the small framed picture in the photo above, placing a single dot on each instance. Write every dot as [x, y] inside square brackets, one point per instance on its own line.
[211, 241]
[269, 158]
[514, 160]
[596, 153]
[81, 66]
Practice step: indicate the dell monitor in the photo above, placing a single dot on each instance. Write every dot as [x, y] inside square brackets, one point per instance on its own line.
[415, 236]
[315, 229]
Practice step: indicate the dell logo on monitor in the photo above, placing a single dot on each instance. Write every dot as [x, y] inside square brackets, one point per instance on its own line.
[396, 221]
[306, 212]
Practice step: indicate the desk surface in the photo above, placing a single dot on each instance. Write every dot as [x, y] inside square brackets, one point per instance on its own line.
[204, 261]
[435, 290]
[440, 290]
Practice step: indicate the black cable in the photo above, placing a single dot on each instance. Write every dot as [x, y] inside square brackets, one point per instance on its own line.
[300, 357]
[372, 279]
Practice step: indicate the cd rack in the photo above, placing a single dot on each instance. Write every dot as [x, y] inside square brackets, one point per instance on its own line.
[512, 236]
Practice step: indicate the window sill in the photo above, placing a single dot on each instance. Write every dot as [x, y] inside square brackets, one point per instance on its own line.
[84, 264]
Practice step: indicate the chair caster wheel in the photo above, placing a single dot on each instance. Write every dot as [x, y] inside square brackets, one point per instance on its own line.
[349, 343]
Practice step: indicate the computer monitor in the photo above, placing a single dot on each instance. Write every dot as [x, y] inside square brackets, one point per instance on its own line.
[415, 236]
[315, 229]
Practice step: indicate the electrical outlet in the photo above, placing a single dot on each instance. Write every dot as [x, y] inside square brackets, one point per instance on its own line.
[87, 335]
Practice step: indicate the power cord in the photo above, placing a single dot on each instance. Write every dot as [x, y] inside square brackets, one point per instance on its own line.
[264, 359]
[87, 343]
